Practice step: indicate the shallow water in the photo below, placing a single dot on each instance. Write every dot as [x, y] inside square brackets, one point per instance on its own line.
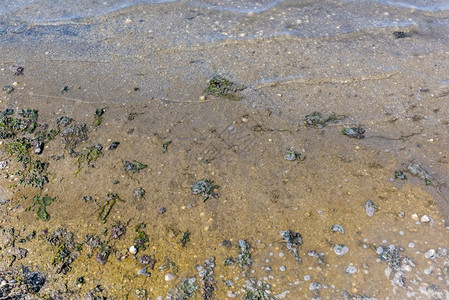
[147, 63]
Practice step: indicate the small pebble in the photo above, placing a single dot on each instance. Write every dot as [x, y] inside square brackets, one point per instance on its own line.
[307, 278]
[230, 294]
[425, 219]
[162, 210]
[431, 254]
[351, 270]
[341, 250]
[282, 268]
[411, 245]
[133, 250]
[370, 208]
[145, 259]
[415, 217]
[143, 272]
[169, 276]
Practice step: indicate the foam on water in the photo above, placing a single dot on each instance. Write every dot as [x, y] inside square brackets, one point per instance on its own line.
[55, 11]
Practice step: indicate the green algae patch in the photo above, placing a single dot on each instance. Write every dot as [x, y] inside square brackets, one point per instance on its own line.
[98, 117]
[224, 88]
[315, 119]
[88, 155]
[105, 209]
[35, 175]
[19, 148]
[185, 238]
[134, 166]
[141, 240]
[165, 146]
[42, 203]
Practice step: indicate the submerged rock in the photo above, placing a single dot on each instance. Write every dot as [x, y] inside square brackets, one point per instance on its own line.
[341, 250]
[74, 135]
[419, 171]
[293, 155]
[354, 132]
[221, 87]
[185, 289]
[370, 208]
[337, 228]
[34, 279]
[257, 290]
[293, 240]
[206, 272]
[206, 188]
[244, 259]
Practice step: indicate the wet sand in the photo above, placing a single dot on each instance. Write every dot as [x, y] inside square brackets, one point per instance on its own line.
[150, 88]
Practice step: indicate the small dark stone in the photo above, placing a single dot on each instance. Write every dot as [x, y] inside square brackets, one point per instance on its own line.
[87, 198]
[80, 280]
[401, 34]
[64, 89]
[64, 121]
[34, 279]
[17, 70]
[102, 258]
[147, 260]
[144, 272]
[8, 112]
[7, 89]
[117, 231]
[162, 210]
[57, 157]
[227, 244]
[39, 148]
[139, 192]
[114, 145]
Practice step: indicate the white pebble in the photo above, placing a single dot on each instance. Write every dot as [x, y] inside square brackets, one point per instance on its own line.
[133, 250]
[431, 254]
[307, 278]
[411, 245]
[281, 254]
[169, 276]
[282, 268]
[425, 219]
[230, 294]
[401, 232]
[351, 270]
[341, 250]
[415, 217]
